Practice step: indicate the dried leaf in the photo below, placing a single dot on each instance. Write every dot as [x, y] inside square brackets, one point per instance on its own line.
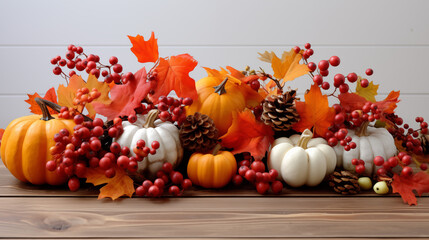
[369, 92]
[406, 185]
[121, 184]
[125, 98]
[50, 95]
[388, 105]
[246, 134]
[289, 68]
[266, 56]
[67, 94]
[145, 51]
[351, 101]
[314, 112]
[173, 74]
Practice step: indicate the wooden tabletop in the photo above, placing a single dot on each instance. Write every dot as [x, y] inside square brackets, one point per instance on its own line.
[45, 212]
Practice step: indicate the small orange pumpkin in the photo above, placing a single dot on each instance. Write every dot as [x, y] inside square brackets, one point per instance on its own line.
[212, 170]
[26, 144]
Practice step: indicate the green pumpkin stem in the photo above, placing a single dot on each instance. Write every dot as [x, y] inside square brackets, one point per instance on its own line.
[362, 130]
[306, 136]
[43, 104]
[151, 117]
[220, 89]
[216, 149]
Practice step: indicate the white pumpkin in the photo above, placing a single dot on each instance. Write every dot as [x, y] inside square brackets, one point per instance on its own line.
[302, 160]
[149, 130]
[370, 143]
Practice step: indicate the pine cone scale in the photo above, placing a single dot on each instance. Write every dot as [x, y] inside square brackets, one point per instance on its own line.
[198, 133]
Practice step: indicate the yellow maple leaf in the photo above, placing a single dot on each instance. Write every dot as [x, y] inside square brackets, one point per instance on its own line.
[369, 92]
[67, 94]
[121, 184]
[288, 68]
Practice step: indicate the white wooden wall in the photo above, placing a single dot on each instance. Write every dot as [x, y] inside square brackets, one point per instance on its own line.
[392, 37]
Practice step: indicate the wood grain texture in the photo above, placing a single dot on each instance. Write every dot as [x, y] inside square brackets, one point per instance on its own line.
[213, 217]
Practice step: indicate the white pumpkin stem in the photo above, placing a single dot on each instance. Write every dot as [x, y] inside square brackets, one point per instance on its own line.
[306, 136]
[216, 149]
[362, 130]
[151, 117]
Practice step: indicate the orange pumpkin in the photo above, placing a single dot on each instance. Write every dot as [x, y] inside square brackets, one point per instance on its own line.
[212, 170]
[219, 97]
[26, 143]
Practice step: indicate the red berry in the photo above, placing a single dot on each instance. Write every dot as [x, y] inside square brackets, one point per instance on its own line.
[174, 190]
[317, 79]
[355, 161]
[123, 161]
[332, 141]
[406, 160]
[407, 171]
[423, 166]
[378, 160]
[153, 191]
[186, 184]
[277, 187]
[140, 191]
[312, 66]
[242, 170]
[51, 165]
[132, 118]
[262, 187]
[369, 72]
[352, 77]
[176, 177]
[323, 65]
[57, 71]
[155, 144]
[244, 163]
[255, 85]
[147, 184]
[334, 61]
[324, 73]
[250, 175]
[237, 180]
[167, 167]
[360, 168]
[381, 172]
[325, 86]
[273, 174]
[74, 184]
[159, 183]
[364, 83]
[393, 161]
[344, 88]
[307, 46]
[339, 118]
[117, 68]
[339, 79]
[258, 166]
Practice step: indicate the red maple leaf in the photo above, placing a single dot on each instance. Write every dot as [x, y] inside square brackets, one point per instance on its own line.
[246, 134]
[352, 101]
[388, 105]
[314, 112]
[125, 98]
[173, 74]
[50, 95]
[145, 51]
[406, 185]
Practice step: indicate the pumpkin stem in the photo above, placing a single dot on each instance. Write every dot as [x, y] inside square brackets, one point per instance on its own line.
[220, 89]
[216, 149]
[306, 136]
[362, 130]
[151, 117]
[43, 104]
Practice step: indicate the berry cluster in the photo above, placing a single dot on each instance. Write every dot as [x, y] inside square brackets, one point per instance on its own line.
[172, 109]
[68, 113]
[75, 58]
[84, 96]
[407, 135]
[402, 159]
[255, 173]
[166, 179]
[142, 151]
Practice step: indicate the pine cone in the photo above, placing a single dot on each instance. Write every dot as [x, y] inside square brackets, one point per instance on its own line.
[344, 182]
[198, 133]
[425, 143]
[279, 111]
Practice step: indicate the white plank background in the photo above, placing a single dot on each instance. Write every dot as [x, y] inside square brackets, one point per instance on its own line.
[392, 37]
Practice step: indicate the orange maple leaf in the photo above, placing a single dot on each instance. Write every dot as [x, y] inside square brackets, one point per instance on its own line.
[50, 95]
[288, 68]
[125, 98]
[246, 134]
[173, 74]
[145, 51]
[121, 184]
[406, 185]
[314, 112]
[67, 94]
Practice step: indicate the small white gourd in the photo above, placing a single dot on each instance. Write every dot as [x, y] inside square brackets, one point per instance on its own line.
[302, 159]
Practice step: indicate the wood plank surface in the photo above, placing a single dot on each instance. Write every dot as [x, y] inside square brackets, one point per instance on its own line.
[212, 217]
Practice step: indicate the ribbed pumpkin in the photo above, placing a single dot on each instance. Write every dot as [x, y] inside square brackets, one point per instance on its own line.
[212, 170]
[26, 143]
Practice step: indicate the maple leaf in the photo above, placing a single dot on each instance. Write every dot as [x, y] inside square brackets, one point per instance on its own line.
[67, 94]
[246, 134]
[121, 184]
[173, 74]
[388, 105]
[314, 112]
[369, 92]
[288, 68]
[406, 185]
[126, 97]
[145, 51]
[351, 101]
[50, 95]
